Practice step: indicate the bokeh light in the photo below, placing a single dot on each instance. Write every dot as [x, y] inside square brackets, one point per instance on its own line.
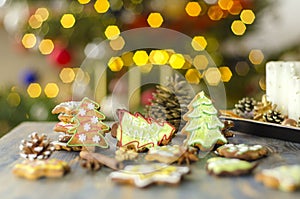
[212, 76]
[35, 21]
[224, 4]
[193, 76]
[177, 61]
[84, 1]
[256, 56]
[46, 46]
[235, 7]
[226, 73]
[199, 43]
[43, 13]
[112, 32]
[238, 27]
[115, 64]
[127, 58]
[67, 75]
[34, 90]
[13, 99]
[200, 62]
[67, 20]
[215, 13]
[140, 57]
[242, 68]
[101, 6]
[51, 90]
[117, 44]
[193, 9]
[262, 83]
[146, 68]
[155, 20]
[159, 57]
[29, 40]
[247, 16]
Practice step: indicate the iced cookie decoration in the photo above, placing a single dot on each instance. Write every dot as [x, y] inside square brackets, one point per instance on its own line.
[145, 175]
[242, 151]
[228, 167]
[165, 154]
[36, 147]
[90, 129]
[285, 178]
[69, 108]
[134, 129]
[203, 128]
[32, 170]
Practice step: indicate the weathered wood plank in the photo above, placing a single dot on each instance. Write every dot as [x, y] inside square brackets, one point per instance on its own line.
[83, 184]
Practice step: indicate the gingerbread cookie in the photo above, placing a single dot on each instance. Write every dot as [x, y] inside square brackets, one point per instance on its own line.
[285, 178]
[165, 154]
[64, 127]
[144, 175]
[63, 117]
[228, 166]
[69, 108]
[242, 151]
[52, 168]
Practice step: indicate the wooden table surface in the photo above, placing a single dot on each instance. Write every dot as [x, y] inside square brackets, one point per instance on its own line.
[80, 183]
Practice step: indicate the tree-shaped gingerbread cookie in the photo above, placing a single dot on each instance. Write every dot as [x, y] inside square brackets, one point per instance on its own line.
[203, 127]
[89, 129]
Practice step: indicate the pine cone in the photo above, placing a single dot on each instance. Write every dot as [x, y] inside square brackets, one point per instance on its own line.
[170, 102]
[273, 116]
[38, 147]
[244, 107]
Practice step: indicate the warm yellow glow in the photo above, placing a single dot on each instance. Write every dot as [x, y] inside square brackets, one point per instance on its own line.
[112, 32]
[67, 20]
[235, 7]
[35, 21]
[262, 83]
[29, 40]
[200, 62]
[224, 4]
[226, 73]
[51, 90]
[127, 58]
[67, 75]
[84, 1]
[193, 76]
[177, 61]
[256, 56]
[188, 62]
[34, 90]
[46, 46]
[140, 57]
[242, 68]
[146, 68]
[247, 16]
[193, 9]
[199, 43]
[215, 13]
[155, 20]
[13, 99]
[43, 13]
[159, 57]
[115, 64]
[212, 76]
[238, 27]
[117, 44]
[101, 6]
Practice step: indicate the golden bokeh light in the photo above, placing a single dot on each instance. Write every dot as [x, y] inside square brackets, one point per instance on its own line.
[177, 61]
[67, 20]
[29, 40]
[46, 46]
[13, 99]
[146, 68]
[34, 90]
[117, 44]
[199, 43]
[193, 9]
[43, 13]
[242, 68]
[112, 32]
[35, 21]
[101, 6]
[224, 4]
[51, 90]
[127, 58]
[115, 64]
[226, 73]
[159, 57]
[140, 57]
[238, 27]
[247, 16]
[84, 1]
[262, 83]
[200, 62]
[193, 76]
[188, 62]
[155, 20]
[256, 56]
[235, 7]
[215, 13]
[212, 76]
[67, 75]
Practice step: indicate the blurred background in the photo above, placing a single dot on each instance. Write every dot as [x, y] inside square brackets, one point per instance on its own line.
[43, 43]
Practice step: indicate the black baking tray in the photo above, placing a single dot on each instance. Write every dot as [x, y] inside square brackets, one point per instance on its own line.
[264, 129]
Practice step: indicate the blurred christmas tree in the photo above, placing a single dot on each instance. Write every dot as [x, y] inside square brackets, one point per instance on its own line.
[65, 31]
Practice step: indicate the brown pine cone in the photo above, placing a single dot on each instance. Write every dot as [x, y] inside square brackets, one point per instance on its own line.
[273, 116]
[38, 147]
[244, 107]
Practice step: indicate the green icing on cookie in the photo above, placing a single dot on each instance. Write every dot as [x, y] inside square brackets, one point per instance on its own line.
[219, 165]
